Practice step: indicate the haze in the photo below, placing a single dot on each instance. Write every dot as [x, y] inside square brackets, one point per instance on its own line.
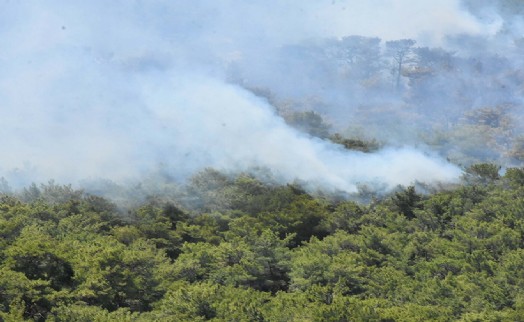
[116, 89]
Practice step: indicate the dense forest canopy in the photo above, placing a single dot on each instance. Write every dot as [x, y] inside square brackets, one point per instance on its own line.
[252, 251]
[320, 160]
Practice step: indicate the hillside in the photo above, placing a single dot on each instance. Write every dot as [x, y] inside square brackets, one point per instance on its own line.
[257, 252]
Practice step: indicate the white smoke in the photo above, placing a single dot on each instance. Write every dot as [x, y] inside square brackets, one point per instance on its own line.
[229, 128]
[99, 89]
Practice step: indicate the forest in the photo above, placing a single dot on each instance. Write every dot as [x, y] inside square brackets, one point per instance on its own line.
[463, 104]
[253, 251]
[326, 160]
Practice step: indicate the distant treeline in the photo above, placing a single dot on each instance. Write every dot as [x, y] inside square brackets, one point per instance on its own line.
[464, 101]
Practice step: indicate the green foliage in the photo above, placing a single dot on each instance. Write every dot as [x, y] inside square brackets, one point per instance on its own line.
[355, 144]
[309, 122]
[514, 177]
[251, 251]
[346, 216]
[482, 173]
[407, 201]
[85, 313]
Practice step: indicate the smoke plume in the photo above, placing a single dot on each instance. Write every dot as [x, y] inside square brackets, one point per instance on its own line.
[97, 89]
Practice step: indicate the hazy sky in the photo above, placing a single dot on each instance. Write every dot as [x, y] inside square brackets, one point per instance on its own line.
[114, 88]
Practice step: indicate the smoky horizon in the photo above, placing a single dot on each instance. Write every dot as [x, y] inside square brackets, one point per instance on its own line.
[333, 94]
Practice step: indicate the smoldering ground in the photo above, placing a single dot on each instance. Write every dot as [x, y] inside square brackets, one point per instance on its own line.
[115, 90]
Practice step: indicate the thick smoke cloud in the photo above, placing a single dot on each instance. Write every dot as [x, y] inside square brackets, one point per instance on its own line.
[97, 89]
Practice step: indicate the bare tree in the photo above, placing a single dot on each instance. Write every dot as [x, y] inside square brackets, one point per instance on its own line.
[400, 51]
